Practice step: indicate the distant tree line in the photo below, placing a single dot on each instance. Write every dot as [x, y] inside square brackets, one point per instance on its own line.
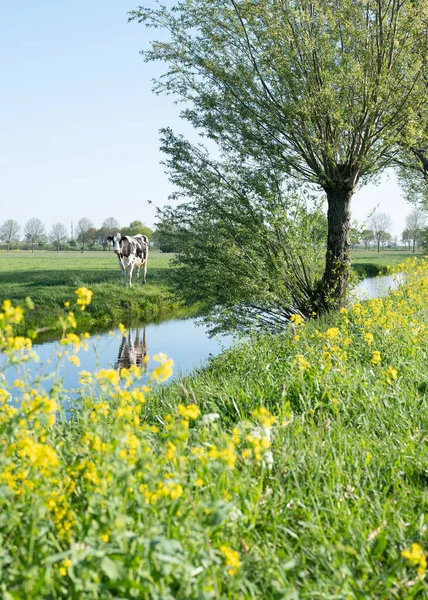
[377, 233]
[86, 236]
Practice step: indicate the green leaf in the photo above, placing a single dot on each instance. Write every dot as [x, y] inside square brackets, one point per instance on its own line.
[110, 568]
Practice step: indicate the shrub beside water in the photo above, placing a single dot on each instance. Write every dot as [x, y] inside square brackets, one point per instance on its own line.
[300, 471]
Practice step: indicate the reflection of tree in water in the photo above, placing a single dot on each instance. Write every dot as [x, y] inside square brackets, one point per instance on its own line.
[133, 350]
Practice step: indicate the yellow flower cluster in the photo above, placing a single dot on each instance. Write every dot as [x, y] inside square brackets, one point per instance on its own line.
[226, 455]
[191, 411]
[231, 558]
[164, 371]
[10, 315]
[332, 333]
[259, 443]
[368, 337]
[302, 363]
[41, 456]
[84, 297]
[376, 358]
[390, 374]
[417, 556]
[263, 415]
[297, 319]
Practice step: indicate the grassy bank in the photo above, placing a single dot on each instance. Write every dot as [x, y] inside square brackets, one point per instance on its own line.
[300, 473]
[50, 279]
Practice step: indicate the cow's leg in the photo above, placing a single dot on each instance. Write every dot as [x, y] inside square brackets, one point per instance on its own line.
[131, 268]
[145, 270]
[123, 269]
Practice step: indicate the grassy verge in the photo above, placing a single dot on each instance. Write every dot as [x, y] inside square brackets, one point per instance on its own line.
[301, 472]
[50, 279]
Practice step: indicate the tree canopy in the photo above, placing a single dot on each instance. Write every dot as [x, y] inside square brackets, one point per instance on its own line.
[136, 227]
[58, 234]
[249, 250]
[379, 225]
[415, 223]
[319, 90]
[9, 232]
[34, 232]
[85, 231]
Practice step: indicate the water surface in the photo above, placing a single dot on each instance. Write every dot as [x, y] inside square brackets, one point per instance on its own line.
[187, 343]
[376, 287]
[183, 340]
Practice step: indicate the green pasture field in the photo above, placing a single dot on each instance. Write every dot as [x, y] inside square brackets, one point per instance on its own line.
[368, 263]
[50, 279]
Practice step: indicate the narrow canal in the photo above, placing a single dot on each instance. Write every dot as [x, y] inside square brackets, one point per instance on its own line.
[183, 340]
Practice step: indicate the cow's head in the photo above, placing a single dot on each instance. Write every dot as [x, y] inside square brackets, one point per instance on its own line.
[115, 240]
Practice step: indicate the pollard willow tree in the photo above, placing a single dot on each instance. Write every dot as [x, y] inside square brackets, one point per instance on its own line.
[324, 89]
[412, 160]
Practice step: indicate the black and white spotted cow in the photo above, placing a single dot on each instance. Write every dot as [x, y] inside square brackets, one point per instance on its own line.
[132, 251]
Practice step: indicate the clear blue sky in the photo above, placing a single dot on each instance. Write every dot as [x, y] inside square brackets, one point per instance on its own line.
[79, 123]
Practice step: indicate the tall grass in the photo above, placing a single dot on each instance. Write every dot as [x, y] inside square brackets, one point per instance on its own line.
[294, 466]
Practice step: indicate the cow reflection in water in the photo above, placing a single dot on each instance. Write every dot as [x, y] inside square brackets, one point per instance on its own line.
[133, 350]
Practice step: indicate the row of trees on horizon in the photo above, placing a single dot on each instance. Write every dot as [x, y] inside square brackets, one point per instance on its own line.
[378, 231]
[85, 236]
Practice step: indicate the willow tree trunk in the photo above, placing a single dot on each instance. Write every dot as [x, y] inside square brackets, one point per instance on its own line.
[334, 287]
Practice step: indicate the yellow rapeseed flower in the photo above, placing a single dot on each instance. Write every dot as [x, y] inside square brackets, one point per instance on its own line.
[390, 374]
[376, 358]
[368, 337]
[301, 362]
[263, 415]
[85, 378]
[297, 319]
[191, 411]
[84, 297]
[164, 370]
[231, 558]
[332, 333]
[416, 555]
[108, 376]
[74, 360]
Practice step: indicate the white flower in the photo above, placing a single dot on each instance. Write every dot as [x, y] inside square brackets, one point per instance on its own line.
[234, 514]
[268, 459]
[209, 418]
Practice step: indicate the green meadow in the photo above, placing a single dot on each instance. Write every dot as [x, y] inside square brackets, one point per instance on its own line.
[369, 263]
[50, 279]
